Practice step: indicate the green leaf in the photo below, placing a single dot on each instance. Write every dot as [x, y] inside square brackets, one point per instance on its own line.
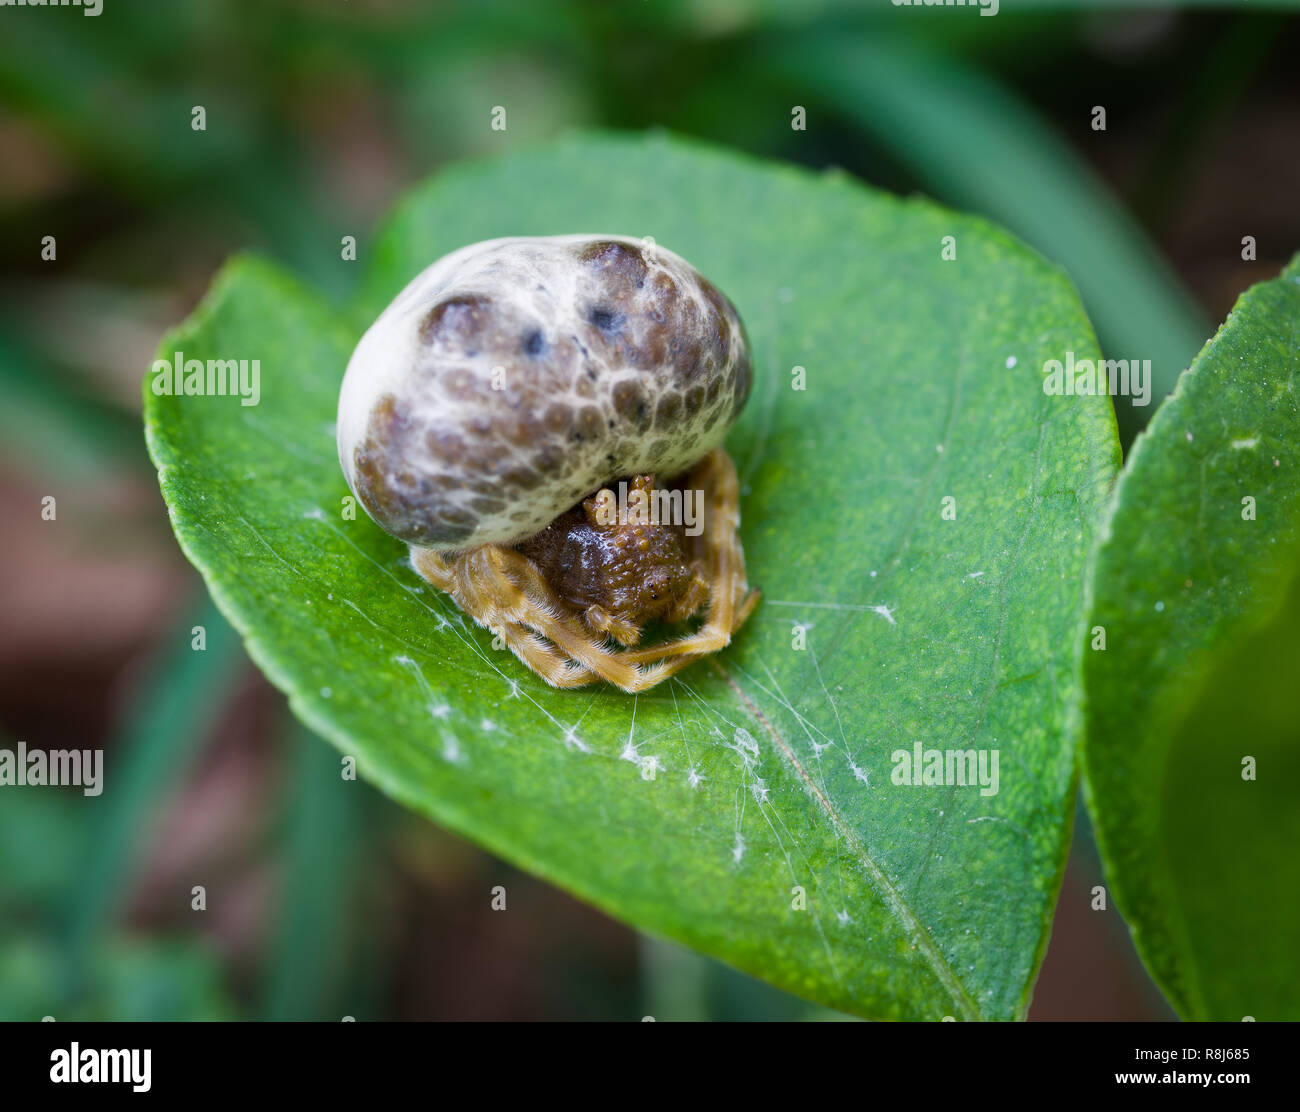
[1200, 604]
[696, 810]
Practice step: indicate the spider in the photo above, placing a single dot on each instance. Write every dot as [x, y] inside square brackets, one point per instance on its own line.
[557, 597]
[486, 413]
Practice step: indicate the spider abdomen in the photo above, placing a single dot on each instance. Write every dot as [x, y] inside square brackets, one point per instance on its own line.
[515, 376]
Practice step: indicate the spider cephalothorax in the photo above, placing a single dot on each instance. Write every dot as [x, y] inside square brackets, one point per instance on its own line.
[619, 566]
[488, 412]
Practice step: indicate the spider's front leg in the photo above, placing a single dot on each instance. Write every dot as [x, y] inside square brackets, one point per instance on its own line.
[555, 668]
[626, 633]
[493, 603]
[535, 605]
[722, 564]
[695, 596]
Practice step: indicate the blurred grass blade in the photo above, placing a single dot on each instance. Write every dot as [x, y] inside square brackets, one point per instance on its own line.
[976, 145]
[1228, 68]
[674, 981]
[138, 138]
[53, 429]
[320, 851]
[164, 728]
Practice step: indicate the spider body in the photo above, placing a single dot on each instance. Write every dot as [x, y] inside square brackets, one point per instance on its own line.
[488, 410]
[620, 570]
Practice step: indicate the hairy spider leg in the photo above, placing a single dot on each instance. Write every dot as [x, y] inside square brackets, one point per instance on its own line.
[723, 560]
[624, 632]
[504, 592]
[547, 614]
[466, 579]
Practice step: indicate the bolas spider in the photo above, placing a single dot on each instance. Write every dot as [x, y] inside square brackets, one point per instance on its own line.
[490, 413]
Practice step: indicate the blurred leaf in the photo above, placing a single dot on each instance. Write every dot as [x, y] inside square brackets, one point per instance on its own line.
[1200, 671]
[308, 962]
[771, 768]
[30, 973]
[163, 729]
[41, 845]
[127, 981]
[48, 427]
[135, 134]
[169, 981]
[979, 146]
[675, 981]
[681, 986]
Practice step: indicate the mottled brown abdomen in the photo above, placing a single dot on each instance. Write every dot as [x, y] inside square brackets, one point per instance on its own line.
[515, 376]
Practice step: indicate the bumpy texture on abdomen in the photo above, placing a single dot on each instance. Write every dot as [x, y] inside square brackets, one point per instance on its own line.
[516, 376]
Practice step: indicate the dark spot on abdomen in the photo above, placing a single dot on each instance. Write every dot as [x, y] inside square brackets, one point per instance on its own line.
[588, 425]
[461, 317]
[605, 318]
[616, 262]
[631, 405]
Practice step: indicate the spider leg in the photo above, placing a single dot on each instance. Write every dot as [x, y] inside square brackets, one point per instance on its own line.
[730, 601]
[697, 594]
[504, 592]
[555, 668]
[538, 608]
[433, 568]
[491, 600]
[602, 621]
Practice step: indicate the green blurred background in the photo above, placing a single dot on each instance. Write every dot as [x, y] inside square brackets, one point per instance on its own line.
[325, 901]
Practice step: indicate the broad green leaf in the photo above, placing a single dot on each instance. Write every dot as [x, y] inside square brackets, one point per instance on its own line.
[701, 810]
[1197, 593]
